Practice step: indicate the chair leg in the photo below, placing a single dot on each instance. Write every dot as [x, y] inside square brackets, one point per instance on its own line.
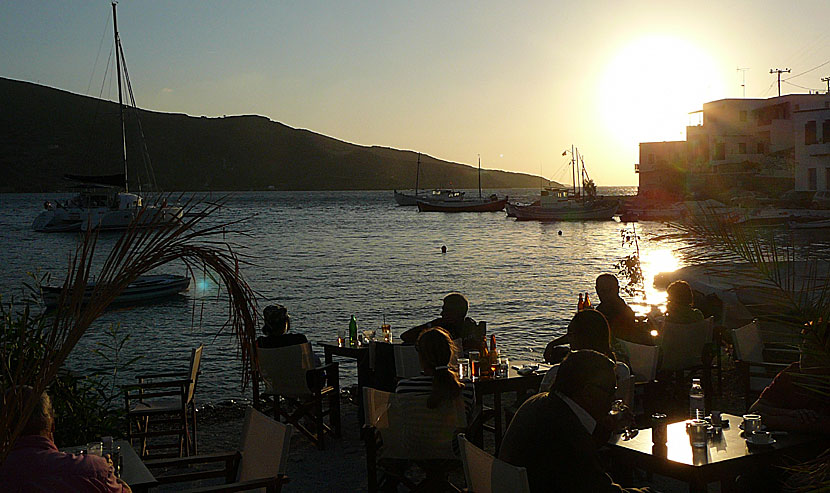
[318, 422]
[195, 438]
[334, 412]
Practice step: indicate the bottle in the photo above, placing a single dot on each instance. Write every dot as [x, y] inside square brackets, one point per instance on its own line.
[587, 303]
[696, 405]
[493, 354]
[581, 305]
[353, 332]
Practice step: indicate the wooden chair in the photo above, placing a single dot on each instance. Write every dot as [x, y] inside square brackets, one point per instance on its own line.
[298, 389]
[407, 362]
[260, 464]
[401, 429]
[487, 474]
[165, 402]
[758, 363]
[684, 350]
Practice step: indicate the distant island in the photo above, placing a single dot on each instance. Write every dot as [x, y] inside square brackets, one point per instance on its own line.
[48, 132]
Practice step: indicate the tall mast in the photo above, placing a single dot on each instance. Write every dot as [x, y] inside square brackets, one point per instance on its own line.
[479, 176]
[120, 100]
[573, 168]
[417, 173]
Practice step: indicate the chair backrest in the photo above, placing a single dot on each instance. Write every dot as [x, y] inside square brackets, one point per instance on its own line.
[407, 363]
[284, 369]
[486, 474]
[195, 361]
[748, 343]
[682, 344]
[643, 360]
[265, 444]
[625, 390]
[409, 429]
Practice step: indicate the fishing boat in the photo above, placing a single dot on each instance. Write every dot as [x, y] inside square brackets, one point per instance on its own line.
[491, 203]
[819, 224]
[563, 204]
[403, 198]
[144, 289]
[106, 202]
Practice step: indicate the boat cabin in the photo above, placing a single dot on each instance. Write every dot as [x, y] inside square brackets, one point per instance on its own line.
[552, 196]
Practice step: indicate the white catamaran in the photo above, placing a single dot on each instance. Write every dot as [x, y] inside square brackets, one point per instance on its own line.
[106, 202]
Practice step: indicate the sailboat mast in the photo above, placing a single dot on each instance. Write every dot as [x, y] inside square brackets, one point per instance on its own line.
[573, 168]
[120, 98]
[417, 173]
[479, 176]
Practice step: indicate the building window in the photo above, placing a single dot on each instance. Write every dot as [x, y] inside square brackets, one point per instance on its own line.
[743, 116]
[741, 147]
[812, 179]
[825, 132]
[760, 147]
[720, 151]
[810, 133]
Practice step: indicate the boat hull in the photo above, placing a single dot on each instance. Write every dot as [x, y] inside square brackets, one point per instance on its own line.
[462, 205]
[142, 290]
[77, 219]
[572, 212]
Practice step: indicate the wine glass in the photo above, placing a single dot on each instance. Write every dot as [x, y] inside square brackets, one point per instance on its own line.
[628, 432]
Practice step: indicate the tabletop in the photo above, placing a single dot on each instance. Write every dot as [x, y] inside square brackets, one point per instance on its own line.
[133, 472]
[722, 458]
[346, 351]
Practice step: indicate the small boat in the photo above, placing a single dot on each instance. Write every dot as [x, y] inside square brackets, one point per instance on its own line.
[460, 204]
[105, 201]
[487, 204]
[142, 290]
[821, 224]
[438, 194]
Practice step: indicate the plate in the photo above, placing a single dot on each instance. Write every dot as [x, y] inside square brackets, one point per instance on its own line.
[752, 441]
[525, 370]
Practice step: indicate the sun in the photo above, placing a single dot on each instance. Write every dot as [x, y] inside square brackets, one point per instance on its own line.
[651, 85]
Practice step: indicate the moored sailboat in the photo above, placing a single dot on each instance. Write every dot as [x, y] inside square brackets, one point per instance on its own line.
[106, 202]
[491, 203]
[403, 198]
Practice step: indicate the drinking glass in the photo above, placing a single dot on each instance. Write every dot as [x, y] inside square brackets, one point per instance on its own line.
[628, 432]
[464, 368]
[95, 448]
[504, 365]
[475, 365]
[697, 432]
[659, 431]
[386, 330]
[369, 335]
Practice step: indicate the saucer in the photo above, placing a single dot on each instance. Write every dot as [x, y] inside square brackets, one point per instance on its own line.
[752, 441]
[763, 426]
[527, 369]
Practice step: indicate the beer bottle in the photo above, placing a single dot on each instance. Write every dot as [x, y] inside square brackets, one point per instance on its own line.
[581, 305]
[587, 304]
[494, 354]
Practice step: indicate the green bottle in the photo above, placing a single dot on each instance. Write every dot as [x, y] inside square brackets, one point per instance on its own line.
[353, 332]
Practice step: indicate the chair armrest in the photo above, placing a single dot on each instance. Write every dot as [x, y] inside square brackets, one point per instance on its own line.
[316, 378]
[182, 373]
[193, 459]
[156, 385]
[270, 484]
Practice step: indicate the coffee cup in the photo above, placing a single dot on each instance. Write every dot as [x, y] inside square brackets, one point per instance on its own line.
[761, 437]
[752, 422]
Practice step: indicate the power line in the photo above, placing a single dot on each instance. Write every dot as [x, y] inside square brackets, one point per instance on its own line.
[779, 72]
[800, 87]
[806, 71]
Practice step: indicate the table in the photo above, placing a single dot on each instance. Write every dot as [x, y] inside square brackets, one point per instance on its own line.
[361, 355]
[497, 386]
[725, 456]
[133, 471]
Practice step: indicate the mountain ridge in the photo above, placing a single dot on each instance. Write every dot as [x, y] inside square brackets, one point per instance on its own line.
[47, 132]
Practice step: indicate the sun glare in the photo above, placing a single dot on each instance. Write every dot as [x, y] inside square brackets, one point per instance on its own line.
[654, 262]
[651, 85]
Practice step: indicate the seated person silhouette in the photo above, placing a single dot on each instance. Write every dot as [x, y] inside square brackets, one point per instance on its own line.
[679, 305]
[35, 463]
[438, 380]
[589, 330]
[555, 435]
[277, 324]
[455, 321]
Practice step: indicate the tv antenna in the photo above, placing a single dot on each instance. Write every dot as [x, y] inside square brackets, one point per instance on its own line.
[743, 70]
[779, 72]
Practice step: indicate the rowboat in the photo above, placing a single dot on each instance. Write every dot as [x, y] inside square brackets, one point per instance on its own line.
[142, 290]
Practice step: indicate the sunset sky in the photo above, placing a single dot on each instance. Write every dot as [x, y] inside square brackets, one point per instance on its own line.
[516, 82]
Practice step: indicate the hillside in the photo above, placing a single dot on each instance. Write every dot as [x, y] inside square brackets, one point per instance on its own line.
[46, 132]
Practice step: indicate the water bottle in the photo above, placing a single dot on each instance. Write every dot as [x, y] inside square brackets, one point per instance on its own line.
[696, 407]
[353, 332]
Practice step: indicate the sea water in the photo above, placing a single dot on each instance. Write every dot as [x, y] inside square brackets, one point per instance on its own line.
[328, 255]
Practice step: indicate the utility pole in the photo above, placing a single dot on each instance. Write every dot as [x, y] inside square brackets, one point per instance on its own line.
[779, 72]
[743, 70]
[827, 80]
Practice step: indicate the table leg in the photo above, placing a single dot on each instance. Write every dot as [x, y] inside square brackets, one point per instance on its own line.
[327, 352]
[497, 420]
[362, 380]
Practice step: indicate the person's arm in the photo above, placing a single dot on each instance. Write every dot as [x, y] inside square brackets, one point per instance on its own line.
[560, 341]
[778, 418]
[411, 336]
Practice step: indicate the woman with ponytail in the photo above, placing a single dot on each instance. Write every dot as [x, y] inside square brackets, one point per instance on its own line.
[439, 380]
